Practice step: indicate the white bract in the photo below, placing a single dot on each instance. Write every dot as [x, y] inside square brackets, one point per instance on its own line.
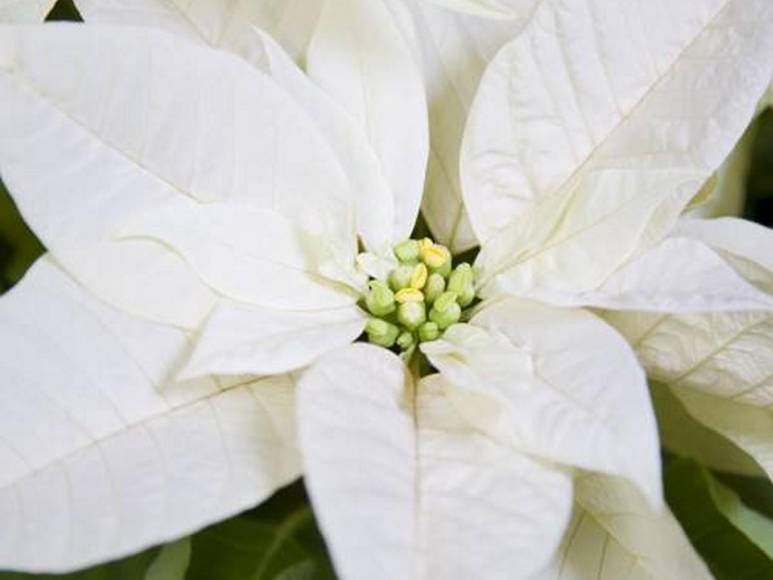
[25, 10]
[454, 40]
[719, 365]
[613, 535]
[221, 199]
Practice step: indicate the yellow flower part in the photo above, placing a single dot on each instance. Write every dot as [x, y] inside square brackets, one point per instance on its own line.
[407, 295]
[419, 276]
[434, 256]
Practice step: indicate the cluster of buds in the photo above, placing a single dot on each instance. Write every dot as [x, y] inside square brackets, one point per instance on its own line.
[422, 296]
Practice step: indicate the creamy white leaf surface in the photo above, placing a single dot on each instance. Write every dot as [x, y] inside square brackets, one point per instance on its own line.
[102, 454]
[559, 384]
[405, 488]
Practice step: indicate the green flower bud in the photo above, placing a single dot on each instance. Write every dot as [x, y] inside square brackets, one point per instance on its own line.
[434, 287]
[407, 251]
[380, 300]
[446, 301]
[429, 331]
[446, 310]
[411, 314]
[462, 281]
[400, 277]
[405, 340]
[445, 269]
[381, 332]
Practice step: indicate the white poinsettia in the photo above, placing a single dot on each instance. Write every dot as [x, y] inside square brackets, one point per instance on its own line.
[231, 209]
[398, 472]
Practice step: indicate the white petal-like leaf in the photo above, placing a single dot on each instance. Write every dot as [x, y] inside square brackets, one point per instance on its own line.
[507, 510]
[252, 255]
[106, 149]
[239, 339]
[562, 244]
[745, 244]
[728, 354]
[347, 139]
[403, 488]
[19, 11]
[724, 193]
[682, 435]
[220, 23]
[559, 384]
[166, 15]
[375, 204]
[101, 456]
[453, 50]
[614, 536]
[676, 275]
[748, 427]
[357, 435]
[359, 57]
[484, 8]
[607, 101]
[718, 365]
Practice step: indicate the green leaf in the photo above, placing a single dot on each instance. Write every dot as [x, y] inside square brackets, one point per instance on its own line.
[735, 541]
[759, 192]
[172, 561]
[243, 548]
[278, 540]
[755, 492]
[19, 247]
[755, 526]
[64, 10]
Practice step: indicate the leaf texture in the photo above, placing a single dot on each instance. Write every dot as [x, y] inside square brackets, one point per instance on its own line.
[107, 150]
[608, 126]
[453, 49]
[357, 55]
[19, 11]
[404, 488]
[558, 384]
[220, 23]
[102, 456]
[613, 535]
[241, 339]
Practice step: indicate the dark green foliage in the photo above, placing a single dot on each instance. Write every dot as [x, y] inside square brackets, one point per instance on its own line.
[759, 190]
[705, 509]
[18, 245]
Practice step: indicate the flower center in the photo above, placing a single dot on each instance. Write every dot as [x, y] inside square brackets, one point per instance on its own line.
[420, 298]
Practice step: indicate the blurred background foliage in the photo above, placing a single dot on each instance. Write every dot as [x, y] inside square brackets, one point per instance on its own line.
[728, 518]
